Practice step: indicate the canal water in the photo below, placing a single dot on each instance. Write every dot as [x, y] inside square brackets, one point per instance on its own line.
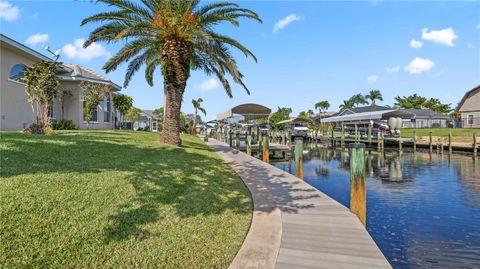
[423, 210]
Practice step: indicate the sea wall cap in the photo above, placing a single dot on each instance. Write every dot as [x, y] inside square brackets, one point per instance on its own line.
[356, 145]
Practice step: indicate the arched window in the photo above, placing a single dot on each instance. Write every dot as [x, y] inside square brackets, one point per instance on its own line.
[17, 72]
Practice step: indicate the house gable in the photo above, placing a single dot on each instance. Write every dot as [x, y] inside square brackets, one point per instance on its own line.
[470, 101]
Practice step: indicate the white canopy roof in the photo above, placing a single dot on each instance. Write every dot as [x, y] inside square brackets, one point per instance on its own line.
[248, 111]
[365, 116]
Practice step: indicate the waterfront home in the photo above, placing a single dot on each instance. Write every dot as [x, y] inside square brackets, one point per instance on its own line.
[16, 113]
[147, 121]
[469, 108]
[424, 118]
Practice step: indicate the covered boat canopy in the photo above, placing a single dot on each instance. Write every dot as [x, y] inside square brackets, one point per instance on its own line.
[400, 113]
[358, 117]
[248, 111]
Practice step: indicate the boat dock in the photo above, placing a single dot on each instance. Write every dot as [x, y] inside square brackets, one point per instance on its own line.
[295, 225]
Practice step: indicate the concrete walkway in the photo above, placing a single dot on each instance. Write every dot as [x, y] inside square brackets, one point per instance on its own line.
[294, 225]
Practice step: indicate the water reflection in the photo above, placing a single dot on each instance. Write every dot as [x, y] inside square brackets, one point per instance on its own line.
[423, 209]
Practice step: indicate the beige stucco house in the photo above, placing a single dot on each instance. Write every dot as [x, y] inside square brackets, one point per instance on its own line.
[469, 107]
[16, 113]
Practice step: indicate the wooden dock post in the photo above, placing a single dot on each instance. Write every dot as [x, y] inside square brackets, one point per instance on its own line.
[358, 193]
[400, 143]
[474, 145]
[356, 133]
[265, 149]
[230, 142]
[333, 137]
[430, 141]
[369, 134]
[237, 141]
[249, 144]
[342, 139]
[450, 142]
[299, 157]
[414, 141]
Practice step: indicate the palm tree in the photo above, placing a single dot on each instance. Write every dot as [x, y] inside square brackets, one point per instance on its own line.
[322, 106]
[310, 113]
[197, 104]
[358, 99]
[374, 95]
[346, 104]
[176, 36]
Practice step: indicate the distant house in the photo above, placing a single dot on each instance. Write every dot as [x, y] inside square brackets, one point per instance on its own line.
[16, 113]
[422, 118]
[146, 122]
[469, 108]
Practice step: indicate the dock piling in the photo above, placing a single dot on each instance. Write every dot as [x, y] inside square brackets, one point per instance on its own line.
[430, 141]
[414, 141]
[265, 149]
[299, 157]
[474, 144]
[358, 194]
[237, 141]
[249, 144]
[450, 142]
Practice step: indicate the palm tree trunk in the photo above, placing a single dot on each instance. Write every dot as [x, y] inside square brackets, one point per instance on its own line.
[176, 70]
[195, 122]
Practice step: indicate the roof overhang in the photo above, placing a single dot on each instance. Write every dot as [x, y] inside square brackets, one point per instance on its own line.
[248, 111]
[294, 120]
[358, 117]
[70, 78]
[22, 49]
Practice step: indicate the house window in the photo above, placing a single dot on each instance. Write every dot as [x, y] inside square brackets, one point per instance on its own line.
[17, 72]
[106, 109]
[94, 117]
[470, 119]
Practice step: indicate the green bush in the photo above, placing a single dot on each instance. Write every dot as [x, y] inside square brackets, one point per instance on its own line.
[64, 125]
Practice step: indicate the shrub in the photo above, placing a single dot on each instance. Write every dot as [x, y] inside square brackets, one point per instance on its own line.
[38, 128]
[64, 125]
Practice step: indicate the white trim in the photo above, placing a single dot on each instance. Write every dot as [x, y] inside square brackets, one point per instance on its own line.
[18, 82]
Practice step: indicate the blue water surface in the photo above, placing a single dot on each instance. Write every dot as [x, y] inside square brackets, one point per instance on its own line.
[423, 210]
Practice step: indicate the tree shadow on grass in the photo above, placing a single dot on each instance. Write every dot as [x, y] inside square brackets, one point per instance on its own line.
[192, 181]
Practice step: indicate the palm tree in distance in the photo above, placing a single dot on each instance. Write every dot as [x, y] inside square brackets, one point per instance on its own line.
[322, 106]
[358, 99]
[346, 104]
[374, 95]
[197, 105]
[176, 36]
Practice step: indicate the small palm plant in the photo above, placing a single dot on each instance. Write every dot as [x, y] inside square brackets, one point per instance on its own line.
[177, 36]
[374, 95]
[197, 105]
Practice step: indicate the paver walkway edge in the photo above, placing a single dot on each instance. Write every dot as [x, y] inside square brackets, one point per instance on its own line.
[295, 225]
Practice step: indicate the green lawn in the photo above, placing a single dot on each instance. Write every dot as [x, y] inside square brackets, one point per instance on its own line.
[407, 132]
[117, 199]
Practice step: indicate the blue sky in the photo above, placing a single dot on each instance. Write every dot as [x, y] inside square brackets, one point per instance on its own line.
[318, 51]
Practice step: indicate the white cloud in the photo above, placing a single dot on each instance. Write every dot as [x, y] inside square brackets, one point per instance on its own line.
[416, 44]
[75, 50]
[419, 65]
[209, 85]
[393, 69]
[37, 38]
[444, 37]
[8, 12]
[284, 22]
[372, 78]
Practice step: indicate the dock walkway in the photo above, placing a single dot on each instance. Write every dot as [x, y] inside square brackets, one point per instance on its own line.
[294, 225]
